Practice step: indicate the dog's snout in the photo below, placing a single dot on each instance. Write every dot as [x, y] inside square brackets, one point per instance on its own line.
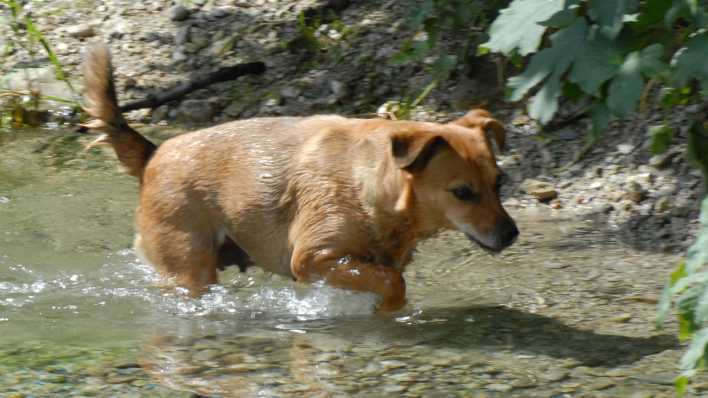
[508, 232]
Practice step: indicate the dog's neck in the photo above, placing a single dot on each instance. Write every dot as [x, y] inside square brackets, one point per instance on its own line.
[390, 201]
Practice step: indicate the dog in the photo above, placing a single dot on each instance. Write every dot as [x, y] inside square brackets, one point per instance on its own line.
[319, 198]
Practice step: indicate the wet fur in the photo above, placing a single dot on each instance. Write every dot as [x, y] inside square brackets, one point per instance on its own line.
[313, 198]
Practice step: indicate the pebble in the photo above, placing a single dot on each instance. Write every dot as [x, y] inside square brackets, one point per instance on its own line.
[543, 191]
[601, 384]
[81, 31]
[555, 376]
[524, 383]
[195, 111]
[393, 364]
[625, 149]
[178, 13]
[390, 388]
[621, 318]
[616, 373]
[498, 387]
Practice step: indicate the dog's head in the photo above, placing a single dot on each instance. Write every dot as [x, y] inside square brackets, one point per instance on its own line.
[452, 177]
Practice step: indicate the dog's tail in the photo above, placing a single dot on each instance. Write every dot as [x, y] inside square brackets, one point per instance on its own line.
[133, 150]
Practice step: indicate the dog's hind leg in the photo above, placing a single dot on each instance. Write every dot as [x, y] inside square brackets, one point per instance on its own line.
[181, 249]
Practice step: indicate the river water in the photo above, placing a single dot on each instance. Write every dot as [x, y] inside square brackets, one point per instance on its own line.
[567, 311]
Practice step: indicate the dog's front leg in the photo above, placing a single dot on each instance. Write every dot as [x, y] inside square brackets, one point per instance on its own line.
[348, 272]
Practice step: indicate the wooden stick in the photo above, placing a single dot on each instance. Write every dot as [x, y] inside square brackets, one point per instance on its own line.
[222, 75]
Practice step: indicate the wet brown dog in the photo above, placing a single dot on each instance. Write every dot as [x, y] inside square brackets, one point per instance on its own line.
[313, 198]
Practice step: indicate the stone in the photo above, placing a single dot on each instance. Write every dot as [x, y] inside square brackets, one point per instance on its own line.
[616, 373]
[498, 387]
[621, 318]
[665, 159]
[635, 192]
[159, 114]
[338, 89]
[81, 31]
[543, 191]
[392, 364]
[182, 36]
[625, 149]
[391, 388]
[554, 376]
[199, 38]
[178, 13]
[524, 383]
[663, 205]
[195, 111]
[290, 92]
[521, 120]
[568, 135]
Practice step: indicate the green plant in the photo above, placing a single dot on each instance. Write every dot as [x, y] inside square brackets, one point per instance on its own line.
[435, 20]
[34, 36]
[606, 55]
[27, 36]
[609, 56]
[687, 287]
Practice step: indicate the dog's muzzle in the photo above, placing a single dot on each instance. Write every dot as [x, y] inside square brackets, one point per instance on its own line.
[504, 236]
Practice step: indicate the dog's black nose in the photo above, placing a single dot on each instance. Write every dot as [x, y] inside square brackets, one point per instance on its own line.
[508, 233]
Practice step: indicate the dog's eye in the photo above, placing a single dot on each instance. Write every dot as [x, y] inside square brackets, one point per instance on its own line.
[464, 193]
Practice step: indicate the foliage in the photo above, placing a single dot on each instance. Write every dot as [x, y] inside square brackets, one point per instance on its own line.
[607, 56]
[689, 285]
[435, 20]
[602, 54]
[28, 37]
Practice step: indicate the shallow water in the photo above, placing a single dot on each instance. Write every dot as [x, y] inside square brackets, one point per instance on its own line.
[79, 313]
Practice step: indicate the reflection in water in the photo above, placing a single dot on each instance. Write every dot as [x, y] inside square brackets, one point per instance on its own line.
[309, 361]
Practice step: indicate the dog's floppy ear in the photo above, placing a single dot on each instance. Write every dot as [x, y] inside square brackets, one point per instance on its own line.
[484, 120]
[412, 151]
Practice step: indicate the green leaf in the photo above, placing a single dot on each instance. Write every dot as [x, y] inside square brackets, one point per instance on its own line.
[518, 26]
[652, 14]
[679, 273]
[555, 59]
[561, 19]
[689, 10]
[696, 350]
[544, 104]
[700, 313]
[626, 88]
[598, 61]
[600, 116]
[680, 385]
[662, 309]
[692, 279]
[412, 51]
[660, 138]
[609, 16]
[698, 146]
[690, 62]
[666, 294]
[697, 254]
[444, 65]
[652, 63]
